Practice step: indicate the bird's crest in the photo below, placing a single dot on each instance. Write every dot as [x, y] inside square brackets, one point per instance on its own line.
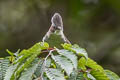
[57, 21]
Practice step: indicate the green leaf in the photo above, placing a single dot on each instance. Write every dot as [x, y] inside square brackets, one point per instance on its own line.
[35, 48]
[66, 46]
[28, 66]
[28, 73]
[112, 75]
[90, 76]
[10, 71]
[76, 49]
[23, 57]
[92, 64]
[27, 56]
[80, 76]
[4, 64]
[97, 70]
[54, 74]
[48, 62]
[73, 75]
[89, 63]
[25, 65]
[39, 69]
[69, 55]
[10, 53]
[81, 63]
[40, 45]
[99, 75]
[64, 63]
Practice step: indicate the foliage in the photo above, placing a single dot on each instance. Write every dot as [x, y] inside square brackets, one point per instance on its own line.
[112, 75]
[40, 62]
[4, 63]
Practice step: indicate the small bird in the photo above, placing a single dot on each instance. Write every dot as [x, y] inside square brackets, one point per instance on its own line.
[55, 36]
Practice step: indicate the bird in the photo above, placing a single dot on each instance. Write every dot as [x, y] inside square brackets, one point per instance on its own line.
[55, 35]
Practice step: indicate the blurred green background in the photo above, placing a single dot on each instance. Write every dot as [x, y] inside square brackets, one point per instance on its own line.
[93, 24]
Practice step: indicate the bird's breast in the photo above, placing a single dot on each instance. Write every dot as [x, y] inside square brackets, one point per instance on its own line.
[55, 40]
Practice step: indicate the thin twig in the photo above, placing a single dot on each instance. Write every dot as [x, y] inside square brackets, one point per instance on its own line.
[44, 63]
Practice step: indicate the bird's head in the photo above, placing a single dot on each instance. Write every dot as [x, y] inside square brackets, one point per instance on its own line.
[57, 24]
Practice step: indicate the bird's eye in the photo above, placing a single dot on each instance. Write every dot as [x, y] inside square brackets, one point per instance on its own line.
[57, 27]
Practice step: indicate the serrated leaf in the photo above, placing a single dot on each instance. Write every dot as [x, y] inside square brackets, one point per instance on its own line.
[81, 63]
[90, 76]
[97, 70]
[26, 57]
[80, 76]
[40, 45]
[39, 69]
[48, 62]
[73, 75]
[99, 75]
[4, 64]
[69, 55]
[64, 63]
[28, 73]
[92, 64]
[54, 74]
[112, 75]
[89, 63]
[76, 49]
[24, 65]
[10, 71]
[35, 48]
